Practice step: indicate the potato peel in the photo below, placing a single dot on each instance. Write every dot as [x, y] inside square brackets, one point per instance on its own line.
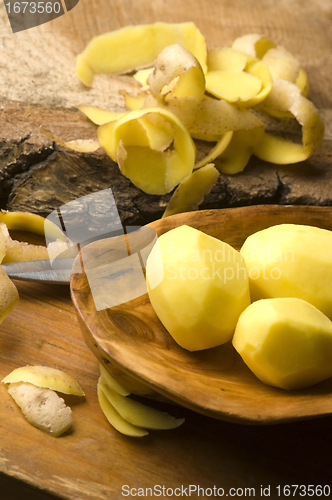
[100, 116]
[46, 377]
[137, 413]
[253, 44]
[286, 96]
[115, 419]
[238, 77]
[134, 47]
[79, 145]
[176, 73]
[191, 191]
[43, 408]
[209, 94]
[221, 145]
[111, 382]
[9, 296]
[242, 145]
[138, 151]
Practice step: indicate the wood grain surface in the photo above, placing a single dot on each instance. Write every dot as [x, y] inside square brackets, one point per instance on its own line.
[93, 461]
[38, 87]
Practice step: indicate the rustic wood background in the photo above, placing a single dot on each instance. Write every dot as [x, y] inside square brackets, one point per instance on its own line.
[38, 87]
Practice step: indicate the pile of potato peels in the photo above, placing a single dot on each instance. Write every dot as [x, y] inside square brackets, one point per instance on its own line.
[236, 98]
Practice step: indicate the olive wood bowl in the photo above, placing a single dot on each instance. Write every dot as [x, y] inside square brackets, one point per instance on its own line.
[130, 341]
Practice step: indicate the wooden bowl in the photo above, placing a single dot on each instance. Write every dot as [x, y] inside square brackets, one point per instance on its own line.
[130, 341]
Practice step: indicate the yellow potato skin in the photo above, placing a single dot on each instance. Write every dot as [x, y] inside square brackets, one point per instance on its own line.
[286, 342]
[198, 287]
[291, 260]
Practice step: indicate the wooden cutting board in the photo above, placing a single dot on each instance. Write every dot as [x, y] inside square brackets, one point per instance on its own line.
[38, 87]
[94, 461]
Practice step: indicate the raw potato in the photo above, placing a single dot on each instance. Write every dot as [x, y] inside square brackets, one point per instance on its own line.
[137, 413]
[43, 408]
[291, 260]
[46, 377]
[198, 287]
[286, 342]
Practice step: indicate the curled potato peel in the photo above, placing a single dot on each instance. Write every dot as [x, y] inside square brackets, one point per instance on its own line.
[79, 145]
[47, 377]
[238, 77]
[190, 93]
[253, 44]
[100, 116]
[191, 191]
[134, 47]
[237, 154]
[286, 96]
[216, 151]
[152, 147]
[207, 117]
[226, 59]
[177, 73]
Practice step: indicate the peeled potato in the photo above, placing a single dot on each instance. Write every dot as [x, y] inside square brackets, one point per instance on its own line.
[286, 342]
[291, 260]
[198, 286]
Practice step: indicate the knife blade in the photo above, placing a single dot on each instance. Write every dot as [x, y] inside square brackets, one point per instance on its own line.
[44, 271]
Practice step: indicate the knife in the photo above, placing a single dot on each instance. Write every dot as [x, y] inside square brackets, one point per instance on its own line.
[41, 270]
